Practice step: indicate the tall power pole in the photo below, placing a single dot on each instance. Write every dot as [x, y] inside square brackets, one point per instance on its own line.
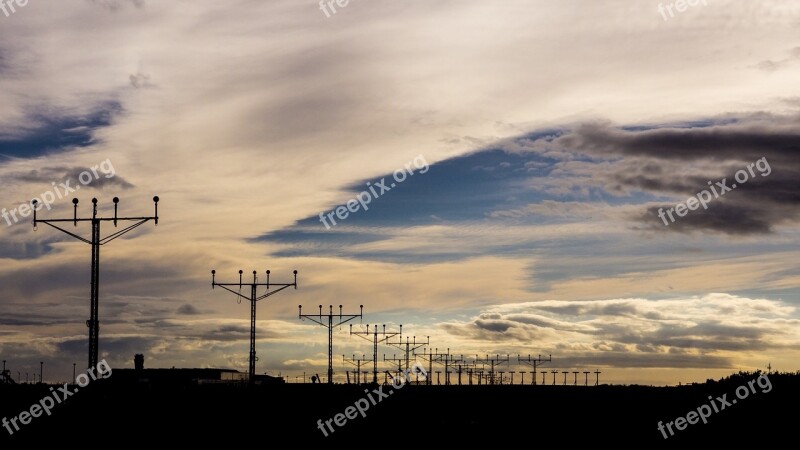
[385, 335]
[327, 321]
[253, 298]
[96, 241]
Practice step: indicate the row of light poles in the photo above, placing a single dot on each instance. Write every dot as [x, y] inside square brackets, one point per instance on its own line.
[41, 372]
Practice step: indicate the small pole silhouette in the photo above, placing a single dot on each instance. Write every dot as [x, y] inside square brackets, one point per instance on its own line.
[566, 372]
[586, 377]
[544, 374]
[576, 378]
[327, 321]
[597, 379]
[253, 298]
[554, 376]
[96, 241]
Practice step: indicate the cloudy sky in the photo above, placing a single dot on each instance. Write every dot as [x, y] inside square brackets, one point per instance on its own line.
[548, 141]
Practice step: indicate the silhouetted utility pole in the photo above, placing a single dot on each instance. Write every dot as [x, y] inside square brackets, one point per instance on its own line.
[586, 377]
[385, 335]
[409, 346]
[534, 362]
[327, 321]
[96, 241]
[497, 360]
[575, 383]
[356, 362]
[554, 376]
[394, 360]
[461, 369]
[253, 298]
[597, 375]
[445, 359]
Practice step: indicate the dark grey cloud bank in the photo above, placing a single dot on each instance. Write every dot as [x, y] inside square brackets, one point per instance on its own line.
[679, 161]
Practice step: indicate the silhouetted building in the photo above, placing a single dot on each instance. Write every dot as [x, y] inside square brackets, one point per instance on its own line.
[183, 377]
[178, 377]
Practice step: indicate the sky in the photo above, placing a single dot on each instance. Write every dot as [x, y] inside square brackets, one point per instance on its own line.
[512, 171]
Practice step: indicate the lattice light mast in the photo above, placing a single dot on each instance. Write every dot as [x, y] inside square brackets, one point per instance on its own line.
[327, 321]
[96, 241]
[409, 346]
[446, 359]
[534, 362]
[253, 298]
[497, 360]
[375, 341]
[358, 363]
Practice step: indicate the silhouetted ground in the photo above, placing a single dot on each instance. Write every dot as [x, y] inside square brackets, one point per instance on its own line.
[108, 413]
